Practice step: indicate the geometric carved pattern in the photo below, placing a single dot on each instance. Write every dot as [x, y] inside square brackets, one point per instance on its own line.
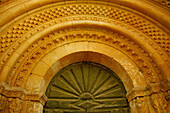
[133, 20]
[139, 37]
[29, 26]
[75, 34]
[86, 87]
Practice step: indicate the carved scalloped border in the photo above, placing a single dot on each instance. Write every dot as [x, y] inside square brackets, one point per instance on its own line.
[65, 19]
[32, 32]
[49, 43]
[95, 18]
[137, 21]
[72, 37]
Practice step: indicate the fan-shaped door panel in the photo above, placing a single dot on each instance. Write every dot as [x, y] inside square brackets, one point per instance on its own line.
[86, 87]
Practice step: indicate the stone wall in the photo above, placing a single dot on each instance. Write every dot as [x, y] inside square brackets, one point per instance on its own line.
[38, 38]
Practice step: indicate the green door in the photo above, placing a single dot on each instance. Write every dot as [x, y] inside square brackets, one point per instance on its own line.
[86, 87]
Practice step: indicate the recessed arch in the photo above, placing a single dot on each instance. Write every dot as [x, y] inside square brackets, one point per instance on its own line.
[116, 28]
[32, 31]
[51, 63]
[86, 87]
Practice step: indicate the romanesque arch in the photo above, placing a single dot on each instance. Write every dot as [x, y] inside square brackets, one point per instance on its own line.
[38, 38]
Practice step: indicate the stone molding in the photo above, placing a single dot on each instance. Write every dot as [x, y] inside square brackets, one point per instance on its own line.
[139, 92]
[149, 104]
[138, 5]
[11, 53]
[16, 105]
[138, 29]
[60, 40]
[22, 94]
[139, 23]
[42, 35]
[64, 39]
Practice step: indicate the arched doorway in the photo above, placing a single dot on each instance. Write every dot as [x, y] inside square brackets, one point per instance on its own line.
[40, 37]
[86, 87]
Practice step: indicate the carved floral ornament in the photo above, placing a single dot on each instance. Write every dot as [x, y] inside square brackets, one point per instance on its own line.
[24, 43]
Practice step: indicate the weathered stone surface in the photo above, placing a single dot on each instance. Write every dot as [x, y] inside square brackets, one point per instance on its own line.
[40, 37]
[159, 102]
[14, 105]
[3, 101]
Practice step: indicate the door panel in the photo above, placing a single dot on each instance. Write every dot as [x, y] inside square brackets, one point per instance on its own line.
[86, 87]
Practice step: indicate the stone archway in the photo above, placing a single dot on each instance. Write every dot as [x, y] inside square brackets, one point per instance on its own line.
[45, 36]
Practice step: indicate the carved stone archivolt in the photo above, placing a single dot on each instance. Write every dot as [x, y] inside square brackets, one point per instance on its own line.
[34, 34]
[136, 21]
[74, 35]
[65, 9]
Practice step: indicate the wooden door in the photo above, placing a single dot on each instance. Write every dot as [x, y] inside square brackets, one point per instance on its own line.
[86, 87]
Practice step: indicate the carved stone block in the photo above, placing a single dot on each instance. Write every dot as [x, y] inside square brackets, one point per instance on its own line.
[141, 105]
[2, 103]
[14, 105]
[159, 102]
[34, 107]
